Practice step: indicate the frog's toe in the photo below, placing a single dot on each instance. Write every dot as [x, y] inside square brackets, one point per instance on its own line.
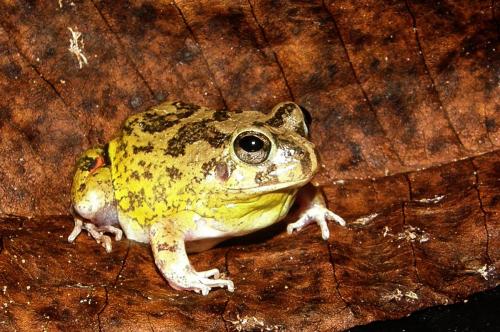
[200, 282]
[209, 273]
[305, 220]
[76, 230]
[196, 282]
[106, 243]
[98, 236]
[117, 232]
[218, 283]
[296, 226]
[318, 214]
[200, 288]
[335, 217]
[325, 232]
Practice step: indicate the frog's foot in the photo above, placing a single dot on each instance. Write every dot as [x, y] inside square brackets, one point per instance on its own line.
[318, 214]
[199, 282]
[96, 232]
[98, 236]
[209, 273]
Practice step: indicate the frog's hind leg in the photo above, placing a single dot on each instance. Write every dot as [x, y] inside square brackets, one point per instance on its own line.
[171, 259]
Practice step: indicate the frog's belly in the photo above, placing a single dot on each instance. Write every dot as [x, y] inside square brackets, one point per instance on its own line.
[205, 236]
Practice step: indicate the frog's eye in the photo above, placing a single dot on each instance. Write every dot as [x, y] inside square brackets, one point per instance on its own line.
[252, 147]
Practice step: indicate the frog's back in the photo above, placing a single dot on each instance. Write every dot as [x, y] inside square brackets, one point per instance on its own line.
[162, 156]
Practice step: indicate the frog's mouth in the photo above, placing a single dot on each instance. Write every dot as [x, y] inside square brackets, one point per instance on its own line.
[270, 187]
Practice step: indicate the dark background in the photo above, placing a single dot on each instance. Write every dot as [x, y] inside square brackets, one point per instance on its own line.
[480, 313]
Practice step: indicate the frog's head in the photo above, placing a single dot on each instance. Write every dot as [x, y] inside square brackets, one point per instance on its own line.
[271, 153]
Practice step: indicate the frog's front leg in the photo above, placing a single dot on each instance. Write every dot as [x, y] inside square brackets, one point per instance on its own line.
[171, 259]
[316, 211]
[96, 232]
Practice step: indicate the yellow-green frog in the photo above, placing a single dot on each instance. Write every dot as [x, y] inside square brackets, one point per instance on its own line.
[184, 178]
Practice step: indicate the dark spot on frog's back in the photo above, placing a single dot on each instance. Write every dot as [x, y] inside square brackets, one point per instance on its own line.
[292, 12]
[146, 149]
[365, 120]
[194, 132]
[173, 172]
[185, 114]
[151, 122]
[208, 166]
[186, 106]
[134, 199]
[216, 139]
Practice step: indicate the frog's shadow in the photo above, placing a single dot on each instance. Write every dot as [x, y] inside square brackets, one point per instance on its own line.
[258, 237]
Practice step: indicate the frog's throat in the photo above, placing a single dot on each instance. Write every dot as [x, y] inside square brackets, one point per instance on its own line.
[271, 187]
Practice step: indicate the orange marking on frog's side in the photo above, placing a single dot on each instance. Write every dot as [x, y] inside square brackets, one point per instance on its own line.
[99, 162]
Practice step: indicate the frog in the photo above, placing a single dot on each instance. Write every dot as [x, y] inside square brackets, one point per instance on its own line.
[184, 178]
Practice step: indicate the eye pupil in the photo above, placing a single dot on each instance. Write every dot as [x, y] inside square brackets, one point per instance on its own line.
[251, 143]
[252, 147]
